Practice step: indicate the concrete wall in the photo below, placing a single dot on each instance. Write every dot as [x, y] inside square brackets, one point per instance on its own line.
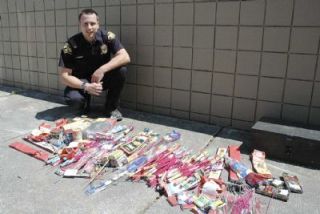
[224, 62]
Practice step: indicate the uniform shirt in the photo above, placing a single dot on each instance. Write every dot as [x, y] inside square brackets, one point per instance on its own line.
[84, 57]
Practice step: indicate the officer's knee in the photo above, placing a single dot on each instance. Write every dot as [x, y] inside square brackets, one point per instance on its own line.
[123, 72]
[75, 102]
[120, 73]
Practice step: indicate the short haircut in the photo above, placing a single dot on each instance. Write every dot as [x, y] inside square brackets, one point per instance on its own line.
[88, 11]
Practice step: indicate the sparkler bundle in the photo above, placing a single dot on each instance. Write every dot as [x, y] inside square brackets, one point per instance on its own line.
[84, 147]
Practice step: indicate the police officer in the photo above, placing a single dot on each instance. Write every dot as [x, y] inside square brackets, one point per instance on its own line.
[90, 62]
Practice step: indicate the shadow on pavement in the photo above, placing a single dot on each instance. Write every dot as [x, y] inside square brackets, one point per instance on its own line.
[97, 111]
[240, 135]
[32, 94]
[173, 122]
[56, 113]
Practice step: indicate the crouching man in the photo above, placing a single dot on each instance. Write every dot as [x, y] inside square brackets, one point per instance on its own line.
[93, 61]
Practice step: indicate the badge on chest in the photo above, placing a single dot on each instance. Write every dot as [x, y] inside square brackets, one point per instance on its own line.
[104, 49]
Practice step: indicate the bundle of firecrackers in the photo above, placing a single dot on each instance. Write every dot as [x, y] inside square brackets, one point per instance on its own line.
[84, 147]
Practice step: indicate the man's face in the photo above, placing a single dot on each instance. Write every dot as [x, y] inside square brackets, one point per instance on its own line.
[89, 25]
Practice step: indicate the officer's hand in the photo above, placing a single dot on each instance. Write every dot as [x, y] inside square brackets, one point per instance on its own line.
[97, 76]
[94, 88]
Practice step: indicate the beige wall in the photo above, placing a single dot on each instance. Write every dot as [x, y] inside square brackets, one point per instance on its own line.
[224, 62]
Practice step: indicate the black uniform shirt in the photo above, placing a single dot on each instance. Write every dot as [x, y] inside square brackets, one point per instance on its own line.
[84, 57]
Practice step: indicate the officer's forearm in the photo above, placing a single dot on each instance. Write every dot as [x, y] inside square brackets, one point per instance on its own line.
[71, 81]
[118, 60]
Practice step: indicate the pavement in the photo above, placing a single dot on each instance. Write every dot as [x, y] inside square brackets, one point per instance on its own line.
[27, 186]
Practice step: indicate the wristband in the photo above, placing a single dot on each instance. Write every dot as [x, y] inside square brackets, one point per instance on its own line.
[83, 86]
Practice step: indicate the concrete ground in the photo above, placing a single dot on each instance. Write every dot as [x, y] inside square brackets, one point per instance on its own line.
[27, 186]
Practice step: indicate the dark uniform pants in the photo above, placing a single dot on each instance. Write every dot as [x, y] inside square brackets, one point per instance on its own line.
[113, 81]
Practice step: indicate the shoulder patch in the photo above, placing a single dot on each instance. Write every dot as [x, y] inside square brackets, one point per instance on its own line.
[111, 36]
[67, 49]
